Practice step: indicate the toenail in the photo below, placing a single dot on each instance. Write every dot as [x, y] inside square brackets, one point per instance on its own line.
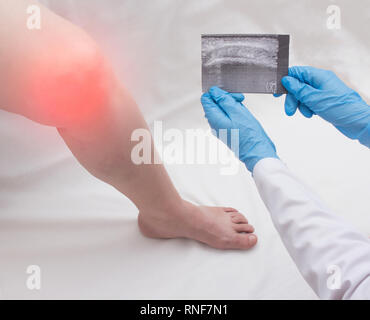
[252, 240]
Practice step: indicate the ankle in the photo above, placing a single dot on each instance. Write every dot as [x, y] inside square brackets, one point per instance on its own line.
[163, 208]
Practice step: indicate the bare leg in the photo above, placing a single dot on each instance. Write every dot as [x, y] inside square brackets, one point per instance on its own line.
[72, 87]
[105, 149]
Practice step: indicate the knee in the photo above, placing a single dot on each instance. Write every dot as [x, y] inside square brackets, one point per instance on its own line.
[70, 84]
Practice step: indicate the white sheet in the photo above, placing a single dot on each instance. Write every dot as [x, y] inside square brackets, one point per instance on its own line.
[83, 233]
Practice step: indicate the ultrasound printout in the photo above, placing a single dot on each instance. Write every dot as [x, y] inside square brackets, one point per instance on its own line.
[245, 63]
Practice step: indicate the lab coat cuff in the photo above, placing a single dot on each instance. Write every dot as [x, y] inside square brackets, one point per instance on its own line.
[266, 166]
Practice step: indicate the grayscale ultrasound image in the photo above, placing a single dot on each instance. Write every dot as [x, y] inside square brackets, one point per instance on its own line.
[245, 63]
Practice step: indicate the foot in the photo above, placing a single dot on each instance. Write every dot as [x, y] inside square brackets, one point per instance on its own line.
[218, 227]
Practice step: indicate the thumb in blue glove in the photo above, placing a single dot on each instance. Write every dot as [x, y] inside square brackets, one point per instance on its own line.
[321, 92]
[225, 111]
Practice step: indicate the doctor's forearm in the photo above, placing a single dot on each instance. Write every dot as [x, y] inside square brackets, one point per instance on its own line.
[317, 240]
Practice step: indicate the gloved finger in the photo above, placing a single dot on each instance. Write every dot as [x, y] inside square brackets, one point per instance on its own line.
[306, 111]
[313, 76]
[300, 90]
[291, 104]
[212, 111]
[239, 97]
[277, 95]
[225, 101]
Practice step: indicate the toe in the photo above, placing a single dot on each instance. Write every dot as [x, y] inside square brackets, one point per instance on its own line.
[245, 241]
[229, 209]
[244, 227]
[239, 218]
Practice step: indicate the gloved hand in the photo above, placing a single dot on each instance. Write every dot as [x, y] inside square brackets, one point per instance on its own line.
[225, 111]
[321, 92]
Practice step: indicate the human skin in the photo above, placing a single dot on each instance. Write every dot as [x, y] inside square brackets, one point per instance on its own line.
[57, 76]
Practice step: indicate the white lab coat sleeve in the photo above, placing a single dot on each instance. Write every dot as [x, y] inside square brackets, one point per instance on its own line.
[332, 256]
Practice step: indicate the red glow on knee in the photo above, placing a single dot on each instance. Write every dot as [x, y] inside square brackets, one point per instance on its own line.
[69, 96]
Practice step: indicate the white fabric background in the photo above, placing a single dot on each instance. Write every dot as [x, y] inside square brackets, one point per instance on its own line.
[83, 233]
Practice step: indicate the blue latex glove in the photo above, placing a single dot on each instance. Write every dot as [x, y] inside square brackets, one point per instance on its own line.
[321, 92]
[224, 110]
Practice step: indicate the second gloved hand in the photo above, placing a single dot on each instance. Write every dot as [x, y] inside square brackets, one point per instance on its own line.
[225, 111]
[321, 92]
